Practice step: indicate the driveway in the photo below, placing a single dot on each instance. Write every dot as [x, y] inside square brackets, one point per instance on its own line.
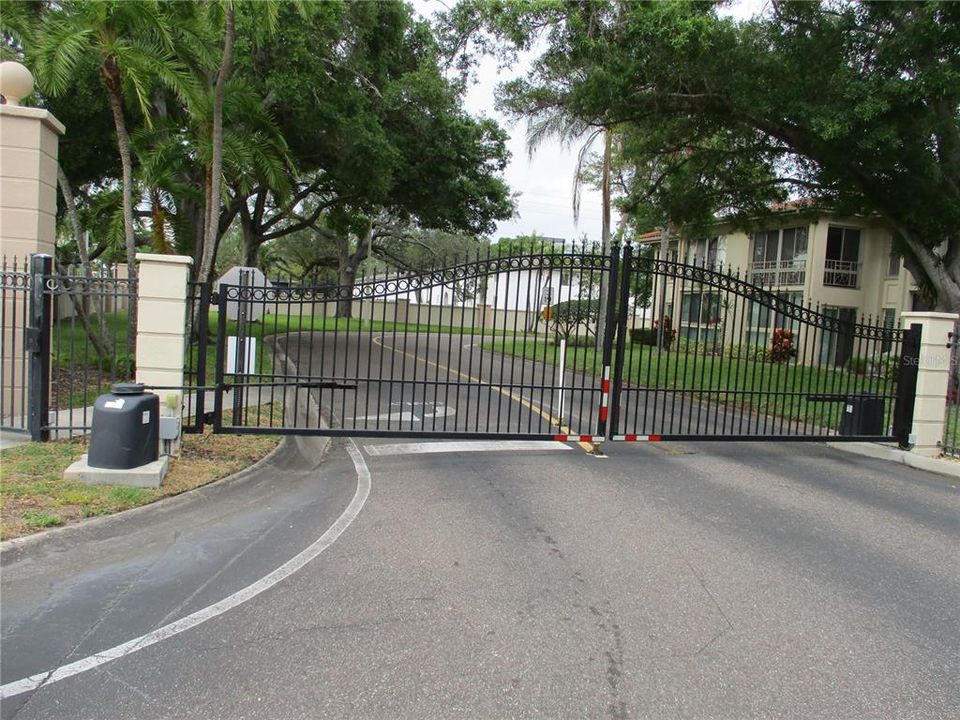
[719, 580]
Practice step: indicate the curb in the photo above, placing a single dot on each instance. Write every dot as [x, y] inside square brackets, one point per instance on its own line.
[21, 543]
[124, 515]
[946, 468]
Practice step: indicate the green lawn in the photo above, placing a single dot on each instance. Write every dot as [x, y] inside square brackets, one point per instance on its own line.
[281, 325]
[70, 345]
[645, 366]
[951, 431]
[79, 374]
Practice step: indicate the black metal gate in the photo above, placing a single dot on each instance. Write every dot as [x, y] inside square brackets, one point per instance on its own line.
[557, 344]
[715, 357]
[466, 351]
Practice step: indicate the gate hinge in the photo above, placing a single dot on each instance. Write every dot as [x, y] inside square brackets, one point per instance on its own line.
[215, 297]
[209, 417]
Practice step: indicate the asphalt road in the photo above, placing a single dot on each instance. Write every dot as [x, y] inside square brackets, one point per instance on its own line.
[720, 580]
[710, 580]
[429, 383]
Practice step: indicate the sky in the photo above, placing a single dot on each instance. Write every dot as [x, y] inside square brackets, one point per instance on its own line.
[544, 183]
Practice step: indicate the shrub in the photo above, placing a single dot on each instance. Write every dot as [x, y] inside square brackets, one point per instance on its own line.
[748, 352]
[885, 368]
[643, 336]
[567, 316]
[858, 366]
[581, 341]
[669, 334]
[782, 348]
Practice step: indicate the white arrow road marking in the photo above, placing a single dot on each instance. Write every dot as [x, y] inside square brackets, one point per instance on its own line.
[463, 446]
[288, 568]
[417, 411]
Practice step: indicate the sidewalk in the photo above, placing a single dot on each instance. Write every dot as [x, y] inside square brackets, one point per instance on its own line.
[940, 466]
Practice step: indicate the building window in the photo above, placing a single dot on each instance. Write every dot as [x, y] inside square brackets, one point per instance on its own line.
[890, 323]
[758, 330]
[842, 264]
[779, 257]
[763, 320]
[836, 346]
[702, 252]
[700, 317]
[893, 264]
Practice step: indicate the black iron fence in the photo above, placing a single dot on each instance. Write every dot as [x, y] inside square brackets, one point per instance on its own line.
[15, 294]
[197, 369]
[951, 427]
[65, 341]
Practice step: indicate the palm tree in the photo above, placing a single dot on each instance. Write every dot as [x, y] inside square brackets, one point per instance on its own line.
[136, 45]
[556, 122]
[224, 12]
[175, 157]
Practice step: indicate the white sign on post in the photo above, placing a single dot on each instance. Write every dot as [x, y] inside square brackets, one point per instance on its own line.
[250, 356]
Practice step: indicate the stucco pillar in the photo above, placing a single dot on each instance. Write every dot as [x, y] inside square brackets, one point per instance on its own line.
[161, 327]
[29, 142]
[932, 378]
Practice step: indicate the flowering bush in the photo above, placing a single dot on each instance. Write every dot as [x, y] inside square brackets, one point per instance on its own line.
[669, 334]
[782, 348]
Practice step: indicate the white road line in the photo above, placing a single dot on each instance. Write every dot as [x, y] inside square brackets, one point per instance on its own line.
[463, 446]
[288, 568]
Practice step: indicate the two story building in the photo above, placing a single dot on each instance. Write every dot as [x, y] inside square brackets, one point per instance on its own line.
[845, 267]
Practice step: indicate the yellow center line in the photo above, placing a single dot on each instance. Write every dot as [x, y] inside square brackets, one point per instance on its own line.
[563, 429]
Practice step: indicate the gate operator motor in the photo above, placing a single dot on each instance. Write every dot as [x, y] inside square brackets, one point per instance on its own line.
[125, 428]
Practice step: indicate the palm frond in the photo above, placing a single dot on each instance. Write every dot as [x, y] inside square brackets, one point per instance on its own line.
[59, 46]
[554, 124]
[582, 157]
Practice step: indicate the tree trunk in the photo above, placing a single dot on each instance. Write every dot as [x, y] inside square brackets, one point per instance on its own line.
[347, 265]
[533, 317]
[251, 240]
[111, 75]
[216, 138]
[99, 337]
[346, 277]
[158, 220]
[605, 231]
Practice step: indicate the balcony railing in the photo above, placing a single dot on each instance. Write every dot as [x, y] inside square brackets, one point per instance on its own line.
[841, 273]
[778, 272]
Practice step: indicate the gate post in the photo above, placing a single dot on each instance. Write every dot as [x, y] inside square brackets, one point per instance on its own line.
[933, 372]
[29, 143]
[161, 328]
[38, 342]
[617, 326]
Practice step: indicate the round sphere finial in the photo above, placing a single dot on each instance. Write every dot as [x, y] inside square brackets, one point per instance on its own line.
[16, 82]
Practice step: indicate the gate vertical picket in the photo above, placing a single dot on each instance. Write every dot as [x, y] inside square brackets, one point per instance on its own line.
[907, 385]
[38, 331]
[221, 300]
[612, 327]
